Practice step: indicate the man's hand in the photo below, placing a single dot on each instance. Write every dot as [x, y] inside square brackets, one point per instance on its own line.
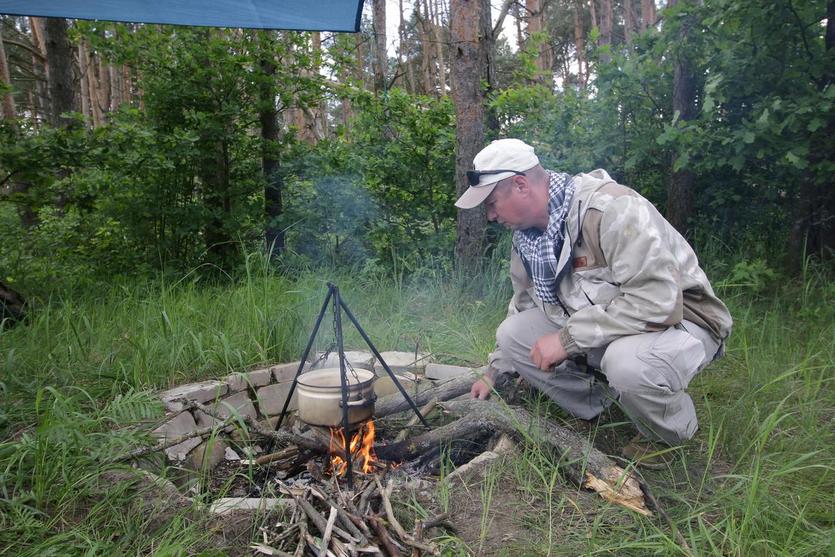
[548, 351]
[482, 387]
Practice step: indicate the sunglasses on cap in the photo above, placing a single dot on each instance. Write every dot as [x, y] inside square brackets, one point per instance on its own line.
[474, 176]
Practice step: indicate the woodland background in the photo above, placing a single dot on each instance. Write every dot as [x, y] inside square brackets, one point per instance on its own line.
[133, 149]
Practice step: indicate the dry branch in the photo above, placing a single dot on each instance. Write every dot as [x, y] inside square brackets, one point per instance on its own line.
[326, 535]
[414, 420]
[142, 451]
[584, 464]
[395, 403]
[383, 534]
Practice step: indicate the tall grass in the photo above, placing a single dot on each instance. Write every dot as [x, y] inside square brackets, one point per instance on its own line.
[82, 367]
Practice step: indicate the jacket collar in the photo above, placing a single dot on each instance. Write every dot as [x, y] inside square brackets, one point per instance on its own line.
[586, 185]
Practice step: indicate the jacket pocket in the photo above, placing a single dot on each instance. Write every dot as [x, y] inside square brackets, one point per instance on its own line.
[597, 291]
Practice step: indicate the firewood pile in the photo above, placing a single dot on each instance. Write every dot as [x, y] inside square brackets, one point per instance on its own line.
[329, 520]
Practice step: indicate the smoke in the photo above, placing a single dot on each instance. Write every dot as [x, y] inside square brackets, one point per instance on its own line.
[328, 219]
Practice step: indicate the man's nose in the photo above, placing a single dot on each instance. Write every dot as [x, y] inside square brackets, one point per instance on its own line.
[491, 214]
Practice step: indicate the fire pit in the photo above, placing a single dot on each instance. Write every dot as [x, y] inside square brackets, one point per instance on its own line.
[334, 466]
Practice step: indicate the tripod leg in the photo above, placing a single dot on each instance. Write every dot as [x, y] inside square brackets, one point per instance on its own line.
[337, 303]
[382, 361]
[302, 362]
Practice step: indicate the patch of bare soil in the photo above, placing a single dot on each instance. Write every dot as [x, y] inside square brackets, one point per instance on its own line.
[494, 516]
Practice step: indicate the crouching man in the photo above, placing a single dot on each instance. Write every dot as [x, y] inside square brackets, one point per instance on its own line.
[601, 281]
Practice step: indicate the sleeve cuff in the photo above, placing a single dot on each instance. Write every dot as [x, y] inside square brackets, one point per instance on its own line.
[568, 343]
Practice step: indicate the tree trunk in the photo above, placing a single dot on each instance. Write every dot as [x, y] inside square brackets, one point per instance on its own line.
[488, 65]
[680, 190]
[517, 16]
[93, 89]
[214, 174]
[467, 57]
[606, 24]
[59, 53]
[115, 88]
[629, 25]
[104, 85]
[9, 111]
[380, 54]
[647, 14]
[425, 55]
[544, 58]
[595, 24]
[127, 86]
[37, 25]
[319, 110]
[580, 45]
[85, 85]
[813, 226]
[268, 117]
[359, 68]
[403, 52]
[439, 50]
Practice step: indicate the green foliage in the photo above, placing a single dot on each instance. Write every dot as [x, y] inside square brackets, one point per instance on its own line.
[174, 185]
[758, 145]
[386, 189]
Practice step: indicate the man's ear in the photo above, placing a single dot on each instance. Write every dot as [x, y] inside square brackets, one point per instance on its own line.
[521, 183]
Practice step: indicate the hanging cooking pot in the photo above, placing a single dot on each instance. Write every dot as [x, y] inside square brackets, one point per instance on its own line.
[320, 396]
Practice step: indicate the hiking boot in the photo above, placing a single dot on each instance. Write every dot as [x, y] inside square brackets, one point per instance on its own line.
[648, 454]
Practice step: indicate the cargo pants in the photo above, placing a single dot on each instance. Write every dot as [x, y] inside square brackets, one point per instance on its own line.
[647, 373]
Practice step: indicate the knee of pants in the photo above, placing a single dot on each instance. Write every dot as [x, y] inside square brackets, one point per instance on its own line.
[506, 332]
[626, 372]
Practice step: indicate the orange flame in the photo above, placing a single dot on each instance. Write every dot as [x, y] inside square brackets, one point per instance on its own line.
[361, 447]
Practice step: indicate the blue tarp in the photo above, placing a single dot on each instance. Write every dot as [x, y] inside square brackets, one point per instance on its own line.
[301, 15]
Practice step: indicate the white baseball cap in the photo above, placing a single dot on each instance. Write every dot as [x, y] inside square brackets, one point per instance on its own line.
[501, 159]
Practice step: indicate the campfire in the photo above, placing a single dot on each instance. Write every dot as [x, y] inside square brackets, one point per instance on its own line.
[361, 449]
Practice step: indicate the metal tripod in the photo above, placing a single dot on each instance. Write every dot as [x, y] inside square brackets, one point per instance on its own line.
[338, 307]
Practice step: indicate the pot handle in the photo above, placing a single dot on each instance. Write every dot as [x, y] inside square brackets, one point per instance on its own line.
[360, 403]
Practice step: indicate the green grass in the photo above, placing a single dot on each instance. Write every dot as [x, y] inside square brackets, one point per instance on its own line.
[758, 479]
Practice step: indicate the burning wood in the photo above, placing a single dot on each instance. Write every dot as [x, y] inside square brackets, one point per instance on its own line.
[361, 449]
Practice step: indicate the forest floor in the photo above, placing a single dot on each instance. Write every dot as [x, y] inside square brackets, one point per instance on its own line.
[757, 479]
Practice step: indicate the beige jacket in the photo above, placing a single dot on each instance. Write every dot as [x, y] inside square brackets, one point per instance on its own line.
[625, 271]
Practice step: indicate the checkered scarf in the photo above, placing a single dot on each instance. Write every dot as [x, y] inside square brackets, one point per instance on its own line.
[541, 251]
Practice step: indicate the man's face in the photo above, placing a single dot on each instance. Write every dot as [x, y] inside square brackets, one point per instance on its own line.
[506, 205]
